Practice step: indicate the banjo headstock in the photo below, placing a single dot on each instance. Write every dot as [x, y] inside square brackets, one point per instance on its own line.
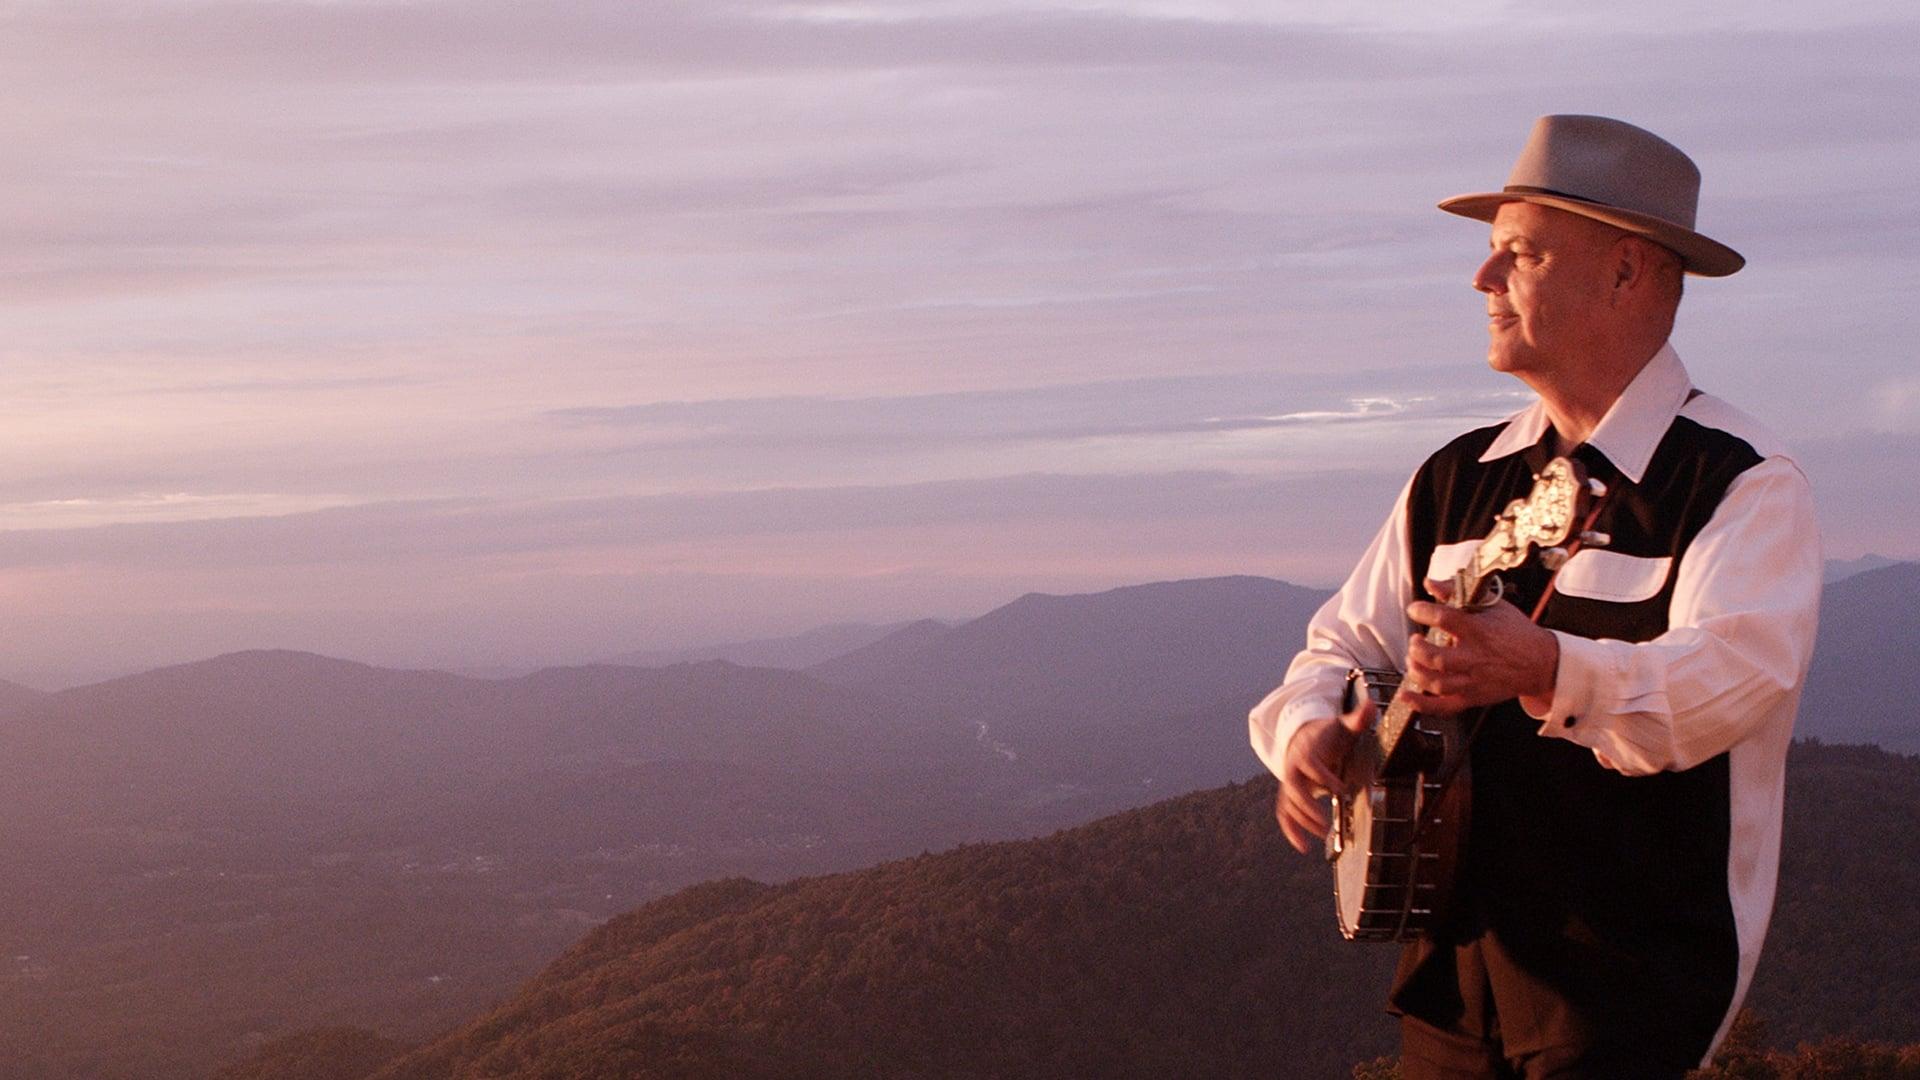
[1546, 519]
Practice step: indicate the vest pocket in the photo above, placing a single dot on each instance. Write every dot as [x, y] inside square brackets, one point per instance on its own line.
[1449, 559]
[1598, 574]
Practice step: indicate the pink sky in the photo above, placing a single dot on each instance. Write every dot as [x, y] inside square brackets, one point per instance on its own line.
[482, 333]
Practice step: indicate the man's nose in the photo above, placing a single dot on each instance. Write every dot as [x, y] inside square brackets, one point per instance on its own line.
[1491, 277]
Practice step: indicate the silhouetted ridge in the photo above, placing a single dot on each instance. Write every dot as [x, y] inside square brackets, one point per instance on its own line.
[1841, 569]
[254, 663]
[15, 696]
[1126, 652]
[794, 652]
[874, 661]
[1139, 682]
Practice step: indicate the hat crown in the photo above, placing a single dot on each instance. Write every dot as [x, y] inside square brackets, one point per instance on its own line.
[1610, 162]
[1610, 171]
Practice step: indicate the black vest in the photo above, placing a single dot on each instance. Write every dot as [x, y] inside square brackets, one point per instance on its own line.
[1606, 889]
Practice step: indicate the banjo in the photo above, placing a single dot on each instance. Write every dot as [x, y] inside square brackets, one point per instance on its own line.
[1399, 825]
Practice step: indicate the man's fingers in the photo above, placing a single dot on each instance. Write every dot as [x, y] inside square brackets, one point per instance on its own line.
[1294, 840]
[1362, 715]
[1315, 755]
[1425, 654]
[1320, 761]
[1298, 831]
[1313, 774]
[1303, 804]
[1301, 842]
[1452, 620]
[1318, 822]
[1435, 704]
[1436, 685]
[1307, 814]
[1308, 809]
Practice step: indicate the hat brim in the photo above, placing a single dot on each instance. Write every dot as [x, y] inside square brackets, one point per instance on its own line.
[1698, 254]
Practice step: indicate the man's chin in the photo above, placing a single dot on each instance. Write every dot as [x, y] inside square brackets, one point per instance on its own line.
[1507, 360]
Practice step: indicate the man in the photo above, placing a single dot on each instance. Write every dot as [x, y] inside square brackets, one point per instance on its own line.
[1626, 784]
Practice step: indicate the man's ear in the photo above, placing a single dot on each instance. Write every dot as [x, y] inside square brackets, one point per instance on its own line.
[1629, 263]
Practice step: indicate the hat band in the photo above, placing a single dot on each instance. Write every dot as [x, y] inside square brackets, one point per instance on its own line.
[1524, 189]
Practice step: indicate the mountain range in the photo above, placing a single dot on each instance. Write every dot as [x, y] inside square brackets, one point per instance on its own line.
[820, 644]
[1864, 685]
[268, 841]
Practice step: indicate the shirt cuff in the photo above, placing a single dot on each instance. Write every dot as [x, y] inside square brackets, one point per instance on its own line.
[1586, 668]
[1301, 711]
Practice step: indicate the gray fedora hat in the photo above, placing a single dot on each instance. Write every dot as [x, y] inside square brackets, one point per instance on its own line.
[1614, 172]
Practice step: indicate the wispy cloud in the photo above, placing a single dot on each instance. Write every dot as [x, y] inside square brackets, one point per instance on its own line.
[457, 529]
[1108, 409]
[174, 506]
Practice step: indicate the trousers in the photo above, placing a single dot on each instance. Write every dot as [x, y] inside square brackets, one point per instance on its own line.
[1431, 1053]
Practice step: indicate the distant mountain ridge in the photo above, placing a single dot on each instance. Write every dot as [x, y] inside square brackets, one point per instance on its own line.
[1841, 569]
[13, 695]
[1144, 681]
[1136, 649]
[1864, 685]
[303, 727]
[794, 652]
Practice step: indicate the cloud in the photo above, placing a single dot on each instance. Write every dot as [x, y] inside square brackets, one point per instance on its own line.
[457, 529]
[1110, 409]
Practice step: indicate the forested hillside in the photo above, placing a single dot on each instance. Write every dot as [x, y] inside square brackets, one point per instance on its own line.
[1155, 943]
[1180, 939]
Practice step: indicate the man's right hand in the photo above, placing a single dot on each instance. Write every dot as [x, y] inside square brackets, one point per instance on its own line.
[1312, 770]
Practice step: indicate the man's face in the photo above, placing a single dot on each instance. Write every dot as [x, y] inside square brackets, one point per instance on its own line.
[1548, 282]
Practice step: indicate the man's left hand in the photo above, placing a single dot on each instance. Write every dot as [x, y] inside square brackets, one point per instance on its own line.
[1497, 653]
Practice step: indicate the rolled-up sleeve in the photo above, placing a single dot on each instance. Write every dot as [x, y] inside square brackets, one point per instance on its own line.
[1740, 635]
[1364, 624]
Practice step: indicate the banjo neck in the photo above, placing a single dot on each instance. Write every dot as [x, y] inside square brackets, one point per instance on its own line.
[1468, 585]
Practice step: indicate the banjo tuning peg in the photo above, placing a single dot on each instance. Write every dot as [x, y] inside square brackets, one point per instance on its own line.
[1595, 539]
[1597, 488]
[1553, 558]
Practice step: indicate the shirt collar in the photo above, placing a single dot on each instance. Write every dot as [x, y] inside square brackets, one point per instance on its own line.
[1632, 428]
